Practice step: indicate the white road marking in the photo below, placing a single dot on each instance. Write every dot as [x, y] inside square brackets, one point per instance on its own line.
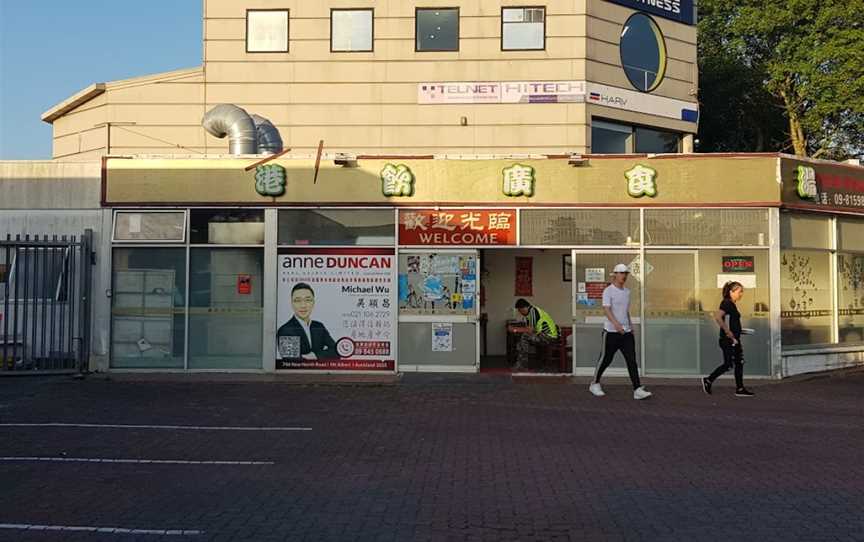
[108, 530]
[9, 459]
[167, 427]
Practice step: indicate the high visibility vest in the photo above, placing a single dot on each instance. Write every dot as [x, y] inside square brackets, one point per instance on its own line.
[545, 319]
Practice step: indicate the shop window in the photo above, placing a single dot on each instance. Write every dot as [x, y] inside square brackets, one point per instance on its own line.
[643, 52]
[437, 29]
[650, 141]
[266, 30]
[611, 138]
[351, 30]
[805, 231]
[226, 226]
[361, 227]
[148, 308]
[443, 283]
[706, 227]
[225, 308]
[150, 226]
[806, 313]
[850, 281]
[523, 28]
[564, 227]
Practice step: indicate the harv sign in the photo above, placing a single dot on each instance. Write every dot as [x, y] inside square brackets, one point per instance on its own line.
[682, 11]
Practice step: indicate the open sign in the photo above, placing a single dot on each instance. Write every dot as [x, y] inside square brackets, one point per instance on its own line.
[738, 264]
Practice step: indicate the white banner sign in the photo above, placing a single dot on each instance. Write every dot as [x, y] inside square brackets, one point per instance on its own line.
[499, 92]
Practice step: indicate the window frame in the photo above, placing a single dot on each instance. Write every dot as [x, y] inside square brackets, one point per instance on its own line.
[508, 49]
[372, 40]
[62, 277]
[418, 9]
[287, 30]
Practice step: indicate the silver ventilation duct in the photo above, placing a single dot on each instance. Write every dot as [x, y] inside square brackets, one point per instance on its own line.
[246, 134]
[269, 140]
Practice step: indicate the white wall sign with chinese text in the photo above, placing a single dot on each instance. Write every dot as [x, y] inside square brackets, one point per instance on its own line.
[270, 180]
[806, 177]
[640, 181]
[397, 181]
[466, 227]
[518, 180]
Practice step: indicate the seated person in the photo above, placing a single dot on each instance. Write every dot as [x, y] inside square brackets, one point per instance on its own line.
[543, 331]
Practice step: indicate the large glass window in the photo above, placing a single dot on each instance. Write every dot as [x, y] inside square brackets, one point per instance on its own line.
[850, 281]
[643, 52]
[610, 138]
[225, 308]
[351, 30]
[650, 141]
[807, 305]
[226, 226]
[153, 226]
[437, 29]
[523, 28]
[564, 227]
[368, 227]
[267, 31]
[148, 307]
[713, 227]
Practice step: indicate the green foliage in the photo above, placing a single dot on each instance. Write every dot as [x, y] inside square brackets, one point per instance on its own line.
[803, 58]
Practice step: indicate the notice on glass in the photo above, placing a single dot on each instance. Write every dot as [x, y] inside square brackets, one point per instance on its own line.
[595, 274]
[442, 337]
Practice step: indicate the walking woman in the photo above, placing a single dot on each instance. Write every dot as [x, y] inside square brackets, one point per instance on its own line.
[729, 320]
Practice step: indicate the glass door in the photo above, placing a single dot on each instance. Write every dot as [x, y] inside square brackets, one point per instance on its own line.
[591, 273]
[673, 312]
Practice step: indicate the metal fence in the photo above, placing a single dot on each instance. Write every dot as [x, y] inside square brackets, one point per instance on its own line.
[45, 287]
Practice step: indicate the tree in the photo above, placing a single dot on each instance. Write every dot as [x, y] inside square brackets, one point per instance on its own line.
[805, 57]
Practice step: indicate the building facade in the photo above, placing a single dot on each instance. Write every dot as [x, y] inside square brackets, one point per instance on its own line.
[438, 77]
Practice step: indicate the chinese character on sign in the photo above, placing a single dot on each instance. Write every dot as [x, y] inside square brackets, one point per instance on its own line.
[414, 221]
[443, 221]
[518, 181]
[640, 182]
[499, 221]
[806, 182]
[471, 221]
[270, 180]
[397, 181]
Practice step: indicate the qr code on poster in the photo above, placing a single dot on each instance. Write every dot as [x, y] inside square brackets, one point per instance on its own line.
[289, 347]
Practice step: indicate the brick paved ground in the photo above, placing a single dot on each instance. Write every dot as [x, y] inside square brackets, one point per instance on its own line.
[440, 458]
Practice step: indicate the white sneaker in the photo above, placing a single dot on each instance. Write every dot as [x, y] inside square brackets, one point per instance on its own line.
[596, 389]
[641, 393]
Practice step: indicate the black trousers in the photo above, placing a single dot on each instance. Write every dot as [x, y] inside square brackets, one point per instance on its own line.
[612, 343]
[733, 356]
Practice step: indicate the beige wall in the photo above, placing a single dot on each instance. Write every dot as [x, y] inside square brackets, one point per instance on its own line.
[367, 102]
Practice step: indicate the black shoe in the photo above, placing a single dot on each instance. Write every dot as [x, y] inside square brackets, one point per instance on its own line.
[744, 392]
[706, 386]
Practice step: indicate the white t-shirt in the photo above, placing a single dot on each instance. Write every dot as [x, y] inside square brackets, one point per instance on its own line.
[619, 301]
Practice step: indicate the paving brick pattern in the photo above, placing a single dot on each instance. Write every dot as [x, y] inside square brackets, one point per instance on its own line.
[471, 458]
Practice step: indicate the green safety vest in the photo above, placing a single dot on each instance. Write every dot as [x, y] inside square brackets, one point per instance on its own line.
[545, 319]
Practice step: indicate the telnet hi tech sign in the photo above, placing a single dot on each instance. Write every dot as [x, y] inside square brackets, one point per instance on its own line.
[682, 11]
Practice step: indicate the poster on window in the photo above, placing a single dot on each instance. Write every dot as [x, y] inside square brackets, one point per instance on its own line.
[336, 310]
[524, 277]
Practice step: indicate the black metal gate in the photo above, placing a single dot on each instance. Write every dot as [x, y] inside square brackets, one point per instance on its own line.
[45, 288]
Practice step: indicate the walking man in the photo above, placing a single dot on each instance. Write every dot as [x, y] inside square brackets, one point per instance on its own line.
[543, 332]
[618, 333]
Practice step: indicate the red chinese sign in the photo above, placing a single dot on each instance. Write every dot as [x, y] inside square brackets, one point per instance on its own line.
[524, 284]
[457, 227]
[244, 284]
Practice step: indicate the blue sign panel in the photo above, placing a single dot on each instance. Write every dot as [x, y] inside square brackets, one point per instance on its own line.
[682, 11]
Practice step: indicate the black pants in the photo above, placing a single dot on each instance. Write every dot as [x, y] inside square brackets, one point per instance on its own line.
[612, 343]
[733, 356]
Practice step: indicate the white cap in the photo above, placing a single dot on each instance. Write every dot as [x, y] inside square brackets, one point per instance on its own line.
[621, 268]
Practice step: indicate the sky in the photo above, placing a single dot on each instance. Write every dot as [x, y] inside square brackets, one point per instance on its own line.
[51, 49]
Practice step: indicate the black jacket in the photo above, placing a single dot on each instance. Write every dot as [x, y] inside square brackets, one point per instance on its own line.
[323, 345]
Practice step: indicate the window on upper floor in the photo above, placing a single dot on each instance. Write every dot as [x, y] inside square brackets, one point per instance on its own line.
[351, 30]
[523, 28]
[643, 52]
[437, 29]
[267, 31]
[613, 138]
